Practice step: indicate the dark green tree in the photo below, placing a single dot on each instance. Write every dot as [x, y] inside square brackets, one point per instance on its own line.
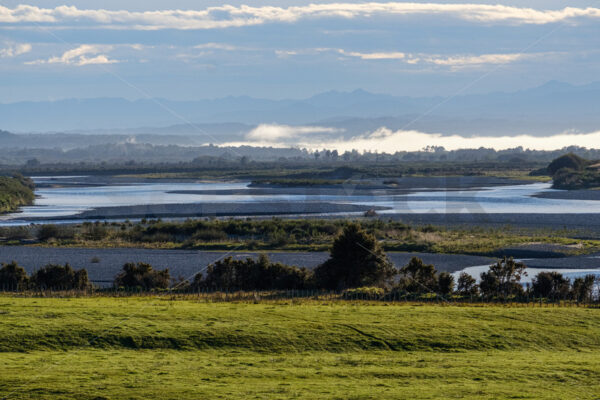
[467, 285]
[569, 161]
[503, 279]
[583, 288]
[142, 275]
[418, 277]
[59, 277]
[356, 260]
[445, 283]
[13, 277]
[550, 285]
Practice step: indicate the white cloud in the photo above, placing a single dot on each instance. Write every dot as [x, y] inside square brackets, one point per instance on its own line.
[386, 140]
[227, 16]
[273, 133]
[470, 60]
[14, 50]
[453, 61]
[393, 55]
[285, 53]
[85, 54]
[216, 46]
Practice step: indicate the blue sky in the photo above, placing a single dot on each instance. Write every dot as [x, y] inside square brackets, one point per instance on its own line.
[291, 49]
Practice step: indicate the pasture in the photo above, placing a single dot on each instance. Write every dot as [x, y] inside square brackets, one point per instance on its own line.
[163, 347]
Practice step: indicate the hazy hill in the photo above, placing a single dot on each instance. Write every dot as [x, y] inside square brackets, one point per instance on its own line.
[552, 107]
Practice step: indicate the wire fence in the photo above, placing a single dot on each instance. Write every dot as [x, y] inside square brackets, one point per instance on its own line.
[225, 295]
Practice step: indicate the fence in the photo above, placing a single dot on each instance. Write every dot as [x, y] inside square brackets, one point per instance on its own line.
[223, 295]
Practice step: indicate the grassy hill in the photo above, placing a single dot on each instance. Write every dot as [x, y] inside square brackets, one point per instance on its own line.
[15, 192]
[107, 348]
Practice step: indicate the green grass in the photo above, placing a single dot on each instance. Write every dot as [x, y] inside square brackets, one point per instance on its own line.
[153, 347]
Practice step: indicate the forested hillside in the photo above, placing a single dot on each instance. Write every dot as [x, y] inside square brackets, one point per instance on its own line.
[15, 192]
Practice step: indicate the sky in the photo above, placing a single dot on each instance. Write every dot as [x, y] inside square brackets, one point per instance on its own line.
[183, 50]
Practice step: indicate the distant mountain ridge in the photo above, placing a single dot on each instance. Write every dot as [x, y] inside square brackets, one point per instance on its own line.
[552, 106]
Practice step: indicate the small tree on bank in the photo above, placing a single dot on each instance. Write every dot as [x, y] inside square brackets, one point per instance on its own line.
[503, 279]
[583, 288]
[356, 260]
[142, 275]
[418, 277]
[59, 277]
[445, 283]
[550, 285]
[13, 277]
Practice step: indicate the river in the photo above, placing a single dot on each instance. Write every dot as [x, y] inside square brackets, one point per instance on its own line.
[58, 201]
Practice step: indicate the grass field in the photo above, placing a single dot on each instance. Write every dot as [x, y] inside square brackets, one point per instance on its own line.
[114, 348]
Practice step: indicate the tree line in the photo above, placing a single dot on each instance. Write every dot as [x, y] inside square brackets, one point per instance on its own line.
[356, 263]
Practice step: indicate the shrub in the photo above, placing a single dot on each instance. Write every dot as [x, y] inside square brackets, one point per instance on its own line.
[583, 288]
[356, 260]
[418, 277]
[15, 233]
[50, 231]
[366, 293]
[569, 161]
[59, 277]
[550, 285]
[445, 283]
[467, 285]
[503, 279]
[95, 231]
[13, 277]
[142, 275]
[250, 274]
[210, 235]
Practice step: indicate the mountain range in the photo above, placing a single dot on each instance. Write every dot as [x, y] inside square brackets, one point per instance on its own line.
[551, 108]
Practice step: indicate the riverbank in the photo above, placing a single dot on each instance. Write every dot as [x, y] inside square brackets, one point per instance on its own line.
[103, 264]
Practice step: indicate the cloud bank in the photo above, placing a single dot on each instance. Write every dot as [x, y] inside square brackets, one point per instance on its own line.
[270, 133]
[452, 61]
[83, 55]
[386, 140]
[15, 50]
[228, 16]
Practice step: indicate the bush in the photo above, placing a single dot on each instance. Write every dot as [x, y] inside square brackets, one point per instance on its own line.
[467, 285]
[364, 293]
[503, 279]
[13, 277]
[59, 277]
[418, 277]
[570, 161]
[142, 275]
[356, 260]
[95, 231]
[550, 285]
[250, 274]
[445, 283]
[210, 235]
[15, 233]
[583, 288]
[49, 231]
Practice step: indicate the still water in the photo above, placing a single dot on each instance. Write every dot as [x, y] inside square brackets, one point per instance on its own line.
[59, 202]
[571, 274]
